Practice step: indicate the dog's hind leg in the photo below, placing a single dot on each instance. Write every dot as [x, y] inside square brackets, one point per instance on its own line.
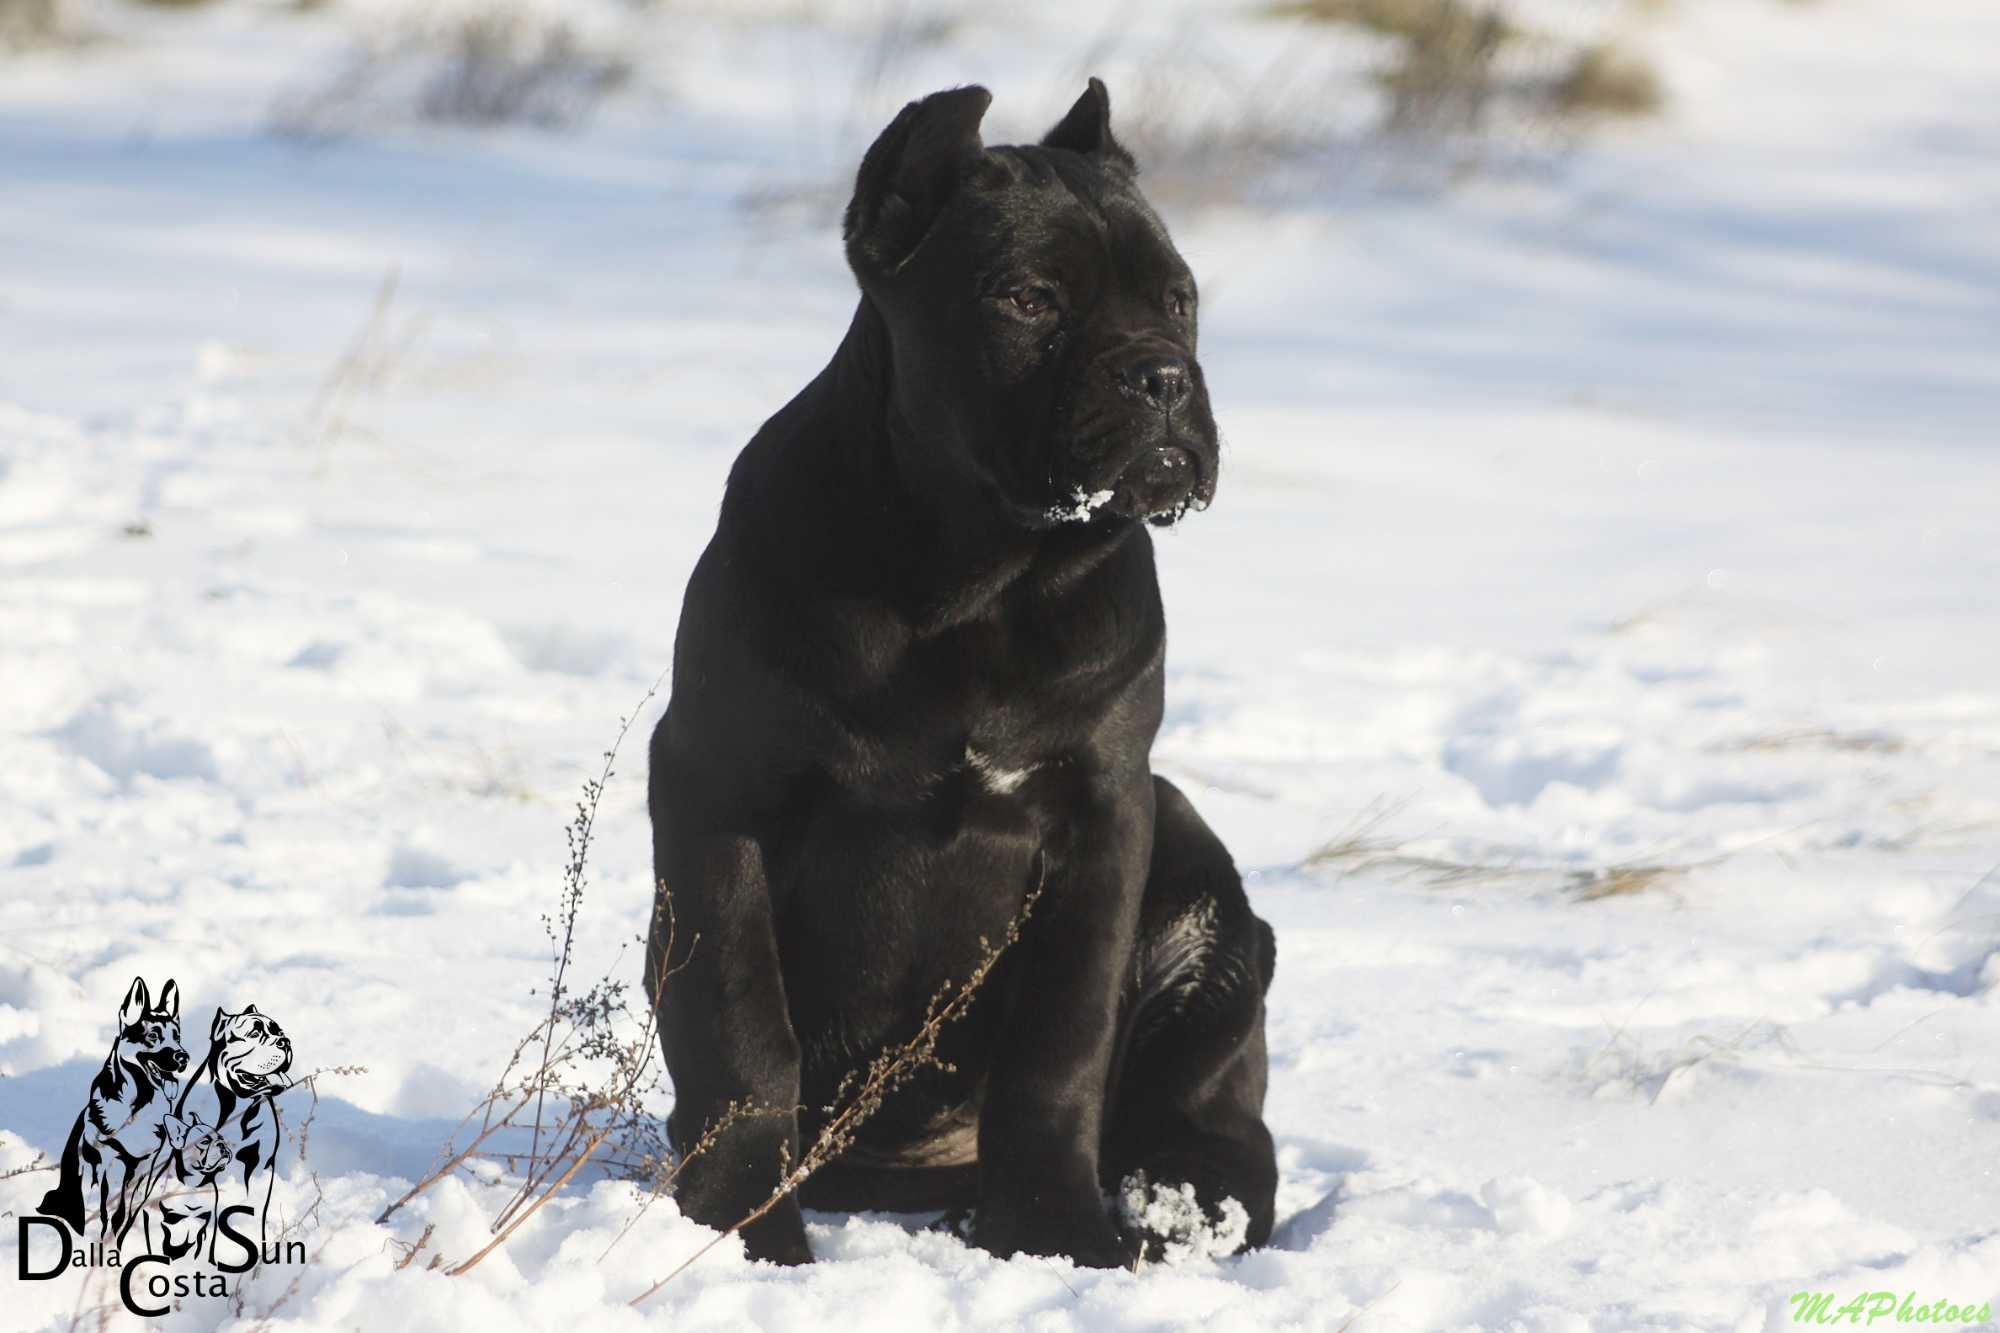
[1187, 1157]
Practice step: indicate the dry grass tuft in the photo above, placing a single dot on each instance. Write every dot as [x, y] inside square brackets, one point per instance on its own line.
[1621, 881]
[501, 68]
[1355, 857]
[578, 1089]
[1359, 849]
[862, 1092]
[1446, 79]
[482, 69]
[1447, 76]
[1822, 738]
[1443, 80]
[25, 24]
[1605, 81]
[1413, 20]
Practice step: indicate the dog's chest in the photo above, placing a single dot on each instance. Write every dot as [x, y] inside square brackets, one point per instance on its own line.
[996, 775]
[1016, 690]
[989, 709]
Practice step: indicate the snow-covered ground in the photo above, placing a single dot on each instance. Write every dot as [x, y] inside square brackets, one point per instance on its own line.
[1591, 655]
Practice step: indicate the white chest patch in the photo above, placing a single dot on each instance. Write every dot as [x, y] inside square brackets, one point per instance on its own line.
[991, 775]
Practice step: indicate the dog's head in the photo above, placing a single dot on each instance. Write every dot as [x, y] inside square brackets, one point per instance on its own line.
[149, 1034]
[251, 1052]
[1041, 323]
[203, 1151]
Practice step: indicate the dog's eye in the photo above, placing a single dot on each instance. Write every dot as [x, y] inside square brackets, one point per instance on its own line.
[1032, 299]
[1181, 302]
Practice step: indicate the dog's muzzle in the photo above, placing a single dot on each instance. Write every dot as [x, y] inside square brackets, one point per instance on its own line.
[1165, 482]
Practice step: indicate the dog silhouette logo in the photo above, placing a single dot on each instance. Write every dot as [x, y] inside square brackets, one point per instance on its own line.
[165, 1164]
[108, 1162]
[227, 1108]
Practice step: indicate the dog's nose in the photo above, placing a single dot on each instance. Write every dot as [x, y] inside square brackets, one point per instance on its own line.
[1162, 381]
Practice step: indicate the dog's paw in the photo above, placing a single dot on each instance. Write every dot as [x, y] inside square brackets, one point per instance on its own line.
[1086, 1237]
[1172, 1224]
[778, 1239]
[961, 1223]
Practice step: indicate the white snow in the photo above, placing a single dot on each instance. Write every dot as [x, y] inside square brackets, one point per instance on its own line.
[1602, 581]
[1174, 1216]
[1082, 505]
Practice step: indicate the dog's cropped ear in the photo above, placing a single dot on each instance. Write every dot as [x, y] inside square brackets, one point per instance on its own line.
[177, 1129]
[908, 174]
[248, 1009]
[1087, 128]
[170, 999]
[219, 1024]
[137, 1002]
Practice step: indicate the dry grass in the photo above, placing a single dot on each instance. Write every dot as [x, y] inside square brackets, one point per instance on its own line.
[369, 364]
[1433, 90]
[501, 68]
[1447, 76]
[1656, 1073]
[1413, 20]
[495, 67]
[1821, 738]
[1443, 79]
[1603, 80]
[1353, 856]
[1446, 80]
[1360, 849]
[1622, 881]
[862, 1092]
[30, 23]
[578, 1088]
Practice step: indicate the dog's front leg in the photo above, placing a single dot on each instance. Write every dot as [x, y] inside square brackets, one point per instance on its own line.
[712, 969]
[1042, 1121]
[117, 1192]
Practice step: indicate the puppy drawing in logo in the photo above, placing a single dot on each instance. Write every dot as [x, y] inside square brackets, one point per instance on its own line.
[108, 1161]
[183, 1187]
[248, 1063]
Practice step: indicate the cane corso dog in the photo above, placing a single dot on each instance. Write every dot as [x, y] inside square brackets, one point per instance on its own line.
[917, 678]
[107, 1163]
[248, 1063]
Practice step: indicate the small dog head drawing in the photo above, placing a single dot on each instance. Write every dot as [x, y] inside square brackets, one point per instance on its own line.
[149, 1035]
[252, 1053]
[202, 1149]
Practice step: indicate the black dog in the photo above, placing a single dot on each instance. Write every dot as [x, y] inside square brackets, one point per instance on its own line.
[918, 675]
[107, 1163]
[248, 1063]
